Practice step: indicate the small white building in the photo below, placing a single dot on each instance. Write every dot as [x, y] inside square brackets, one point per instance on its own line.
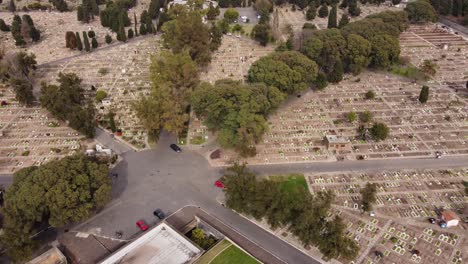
[101, 150]
[161, 244]
[450, 217]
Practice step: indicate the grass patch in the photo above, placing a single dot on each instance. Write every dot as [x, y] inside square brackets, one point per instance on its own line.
[409, 71]
[233, 255]
[291, 181]
[198, 140]
[213, 252]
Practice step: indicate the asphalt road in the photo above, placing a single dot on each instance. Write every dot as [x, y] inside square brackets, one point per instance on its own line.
[162, 178]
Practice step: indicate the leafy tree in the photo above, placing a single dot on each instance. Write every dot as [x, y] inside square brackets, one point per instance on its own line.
[188, 32]
[3, 26]
[198, 236]
[385, 51]
[231, 14]
[305, 215]
[326, 47]
[94, 43]
[311, 12]
[343, 21]
[264, 6]
[34, 34]
[23, 91]
[365, 117]
[91, 34]
[424, 94]
[321, 81]
[57, 193]
[370, 95]
[429, 67]
[79, 44]
[153, 10]
[337, 244]
[379, 131]
[66, 102]
[396, 2]
[213, 12]
[262, 33]
[421, 11]
[87, 46]
[332, 18]
[353, 9]
[289, 71]
[174, 76]
[368, 194]
[358, 53]
[108, 39]
[236, 111]
[60, 5]
[323, 11]
[336, 74]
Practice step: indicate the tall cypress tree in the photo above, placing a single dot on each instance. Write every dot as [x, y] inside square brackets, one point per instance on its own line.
[79, 44]
[135, 23]
[94, 7]
[424, 94]
[94, 43]
[16, 31]
[12, 6]
[332, 17]
[343, 21]
[86, 41]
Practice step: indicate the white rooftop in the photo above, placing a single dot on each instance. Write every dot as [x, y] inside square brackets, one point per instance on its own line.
[161, 244]
[336, 139]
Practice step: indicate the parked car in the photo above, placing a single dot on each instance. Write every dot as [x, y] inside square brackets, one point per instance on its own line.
[142, 225]
[438, 155]
[175, 148]
[159, 214]
[432, 220]
[219, 184]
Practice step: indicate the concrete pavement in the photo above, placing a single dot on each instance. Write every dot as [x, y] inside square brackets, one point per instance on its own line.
[162, 178]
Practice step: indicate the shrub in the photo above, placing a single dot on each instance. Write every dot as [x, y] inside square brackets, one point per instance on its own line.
[108, 39]
[379, 131]
[370, 95]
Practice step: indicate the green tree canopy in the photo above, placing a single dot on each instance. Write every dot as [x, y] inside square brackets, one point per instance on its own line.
[236, 111]
[307, 216]
[231, 14]
[379, 131]
[58, 193]
[289, 71]
[421, 11]
[66, 102]
[188, 32]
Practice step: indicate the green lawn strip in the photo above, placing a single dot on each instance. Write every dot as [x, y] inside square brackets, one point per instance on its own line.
[210, 254]
[233, 255]
[290, 181]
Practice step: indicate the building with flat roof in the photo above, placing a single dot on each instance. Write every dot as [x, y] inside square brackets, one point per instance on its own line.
[51, 256]
[337, 144]
[161, 244]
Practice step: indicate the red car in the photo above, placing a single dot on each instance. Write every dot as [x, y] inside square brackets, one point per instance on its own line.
[219, 184]
[142, 225]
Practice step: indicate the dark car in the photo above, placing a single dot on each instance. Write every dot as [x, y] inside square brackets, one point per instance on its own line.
[159, 214]
[432, 220]
[175, 148]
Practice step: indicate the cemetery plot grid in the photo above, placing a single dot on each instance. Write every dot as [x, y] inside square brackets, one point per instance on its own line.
[123, 72]
[405, 199]
[31, 136]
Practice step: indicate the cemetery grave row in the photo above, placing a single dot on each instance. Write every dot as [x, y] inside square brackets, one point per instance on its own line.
[31, 136]
[123, 73]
